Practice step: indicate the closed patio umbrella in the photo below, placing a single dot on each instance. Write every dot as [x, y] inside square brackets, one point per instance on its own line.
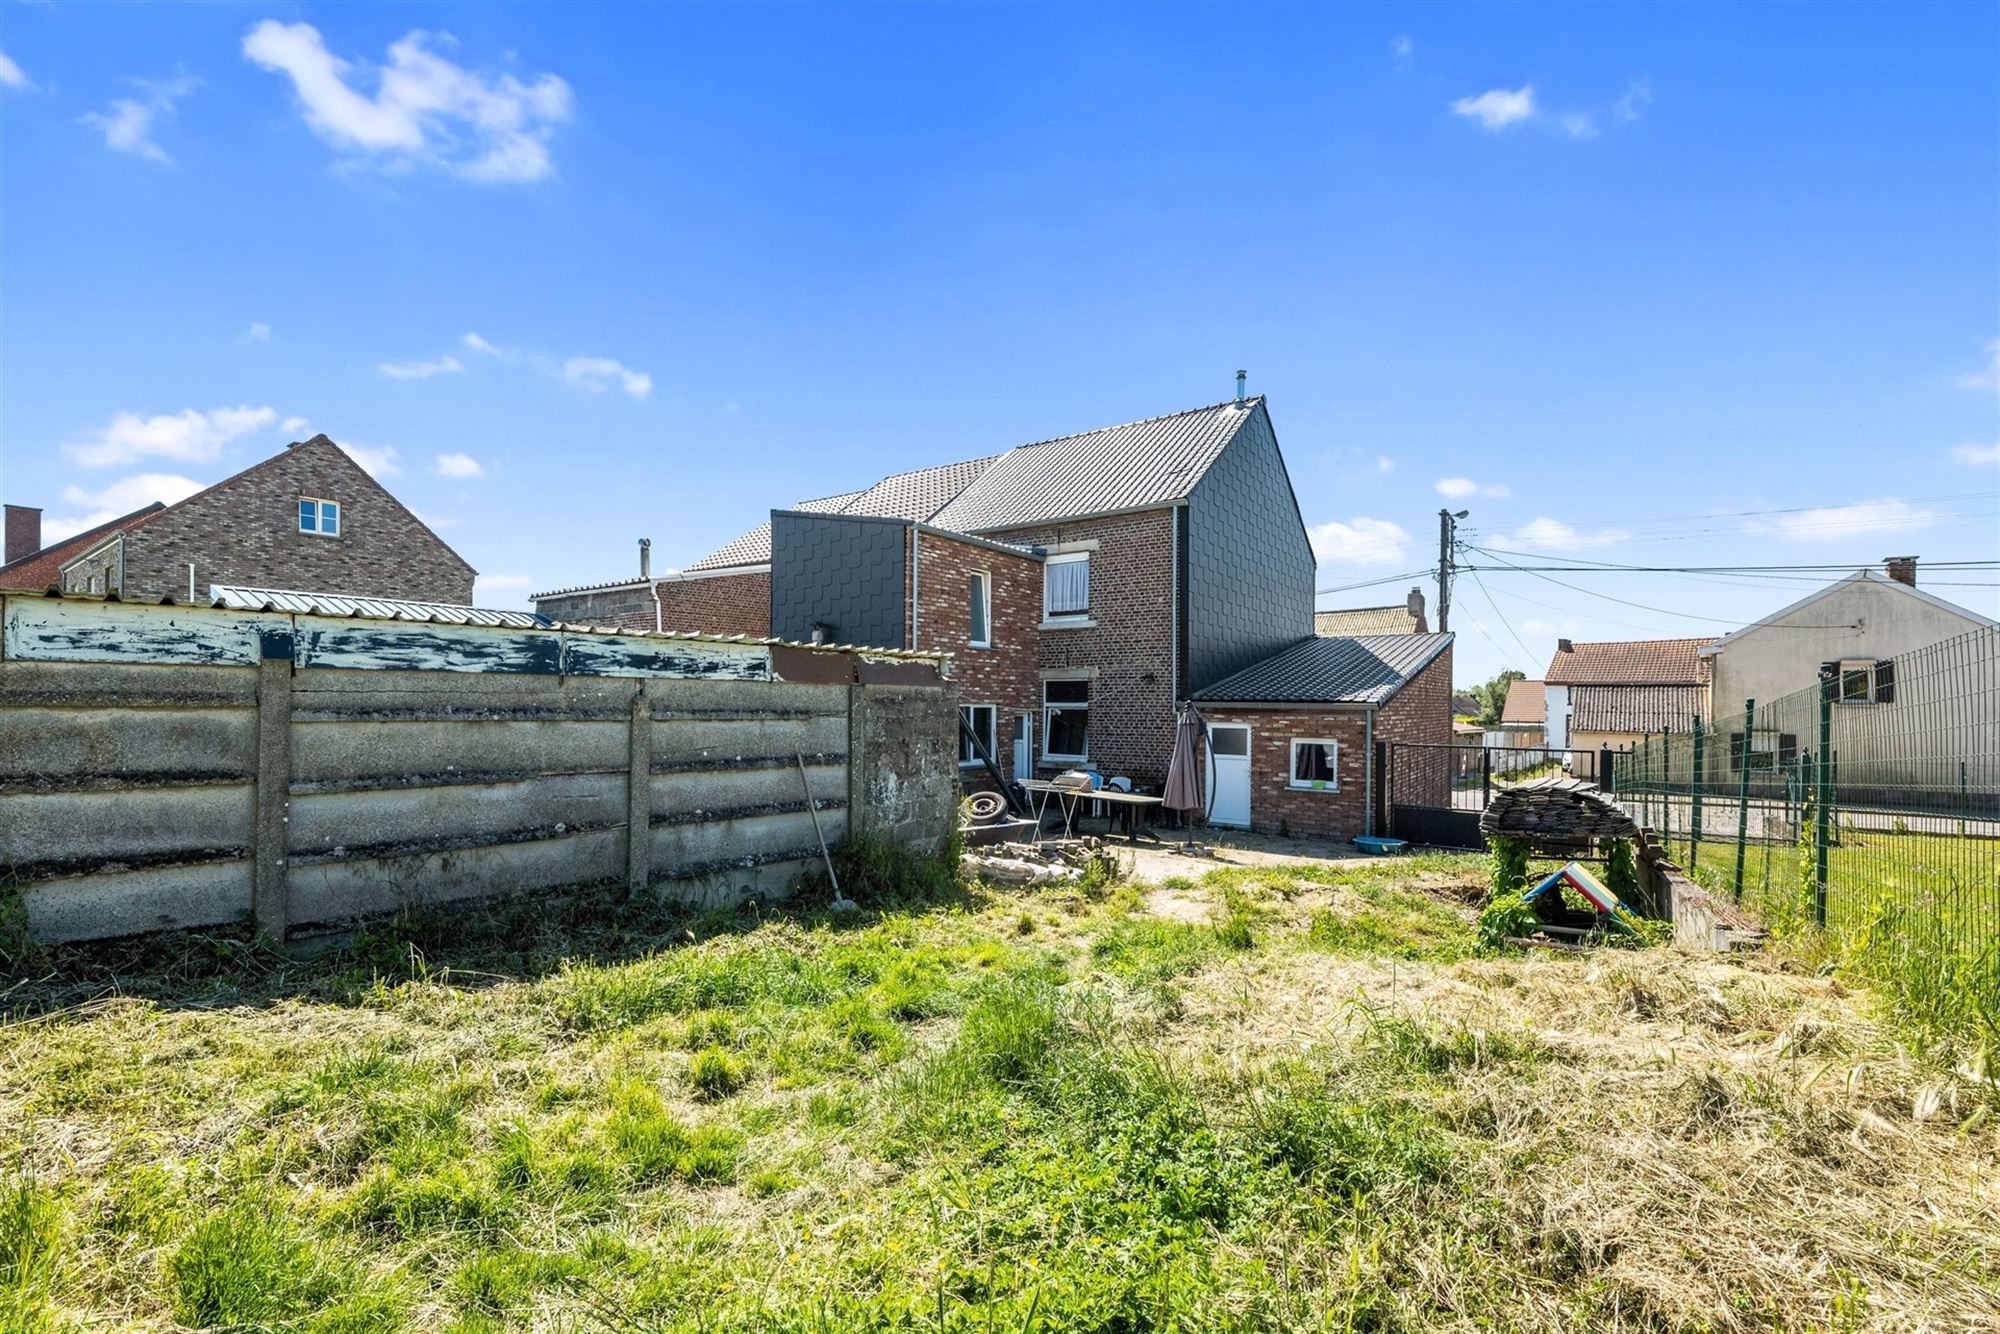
[1183, 790]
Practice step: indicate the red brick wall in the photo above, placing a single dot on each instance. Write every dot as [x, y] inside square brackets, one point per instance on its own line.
[1131, 587]
[1004, 675]
[729, 604]
[1421, 711]
[246, 531]
[724, 604]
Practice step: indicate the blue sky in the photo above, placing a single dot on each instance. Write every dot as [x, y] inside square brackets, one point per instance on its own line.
[567, 276]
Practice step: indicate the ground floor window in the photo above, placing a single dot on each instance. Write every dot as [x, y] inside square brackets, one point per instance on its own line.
[1066, 720]
[1315, 764]
[979, 719]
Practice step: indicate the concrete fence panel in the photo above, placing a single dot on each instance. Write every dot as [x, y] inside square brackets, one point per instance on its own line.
[174, 767]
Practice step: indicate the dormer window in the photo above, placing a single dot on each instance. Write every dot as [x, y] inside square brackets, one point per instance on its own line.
[320, 517]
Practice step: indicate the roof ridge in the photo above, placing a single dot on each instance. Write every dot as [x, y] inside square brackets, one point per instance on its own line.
[1245, 403]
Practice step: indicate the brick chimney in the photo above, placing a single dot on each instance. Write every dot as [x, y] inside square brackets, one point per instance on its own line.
[1414, 605]
[24, 532]
[1903, 569]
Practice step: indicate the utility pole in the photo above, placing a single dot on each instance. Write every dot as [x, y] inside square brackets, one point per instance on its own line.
[1447, 540]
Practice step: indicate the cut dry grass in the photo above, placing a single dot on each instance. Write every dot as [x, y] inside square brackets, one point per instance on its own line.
[1280, 1098]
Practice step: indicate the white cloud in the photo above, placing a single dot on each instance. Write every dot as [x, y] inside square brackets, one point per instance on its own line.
[292, 425]
[1497, 108]
[1383, 463]
[128, 123]
[375, 460]
[1459, 488]
[478, 344]
[596, 374]
[12, 76]
[1989, 378]
[1360, 542]
[458, 466]
[425, 109]
[439, 522]
[1403, 51]
[1637, 94]
[1832, 522]
[1976, 455]
[1546, 534]
[189, 436]
[258, 332]
[420, 370]
[115, 501]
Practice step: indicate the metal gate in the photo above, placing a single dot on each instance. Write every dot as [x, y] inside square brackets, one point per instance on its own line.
[1432, 793]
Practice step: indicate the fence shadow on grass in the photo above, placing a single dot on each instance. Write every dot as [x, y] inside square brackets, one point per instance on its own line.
[460, 945]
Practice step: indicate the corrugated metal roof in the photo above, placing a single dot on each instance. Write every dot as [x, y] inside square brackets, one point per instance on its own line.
[1124, 467]
[1358, 669]
[238, 598]
[1637, 709]
[1629, 662]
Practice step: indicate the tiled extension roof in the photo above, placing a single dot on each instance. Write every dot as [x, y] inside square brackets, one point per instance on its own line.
[1527, 704]
[1360, 669]
[39, 571]
[1394, 620]
[1629, 662]
[1641, 709]
[1124, 467]
[1141, 463]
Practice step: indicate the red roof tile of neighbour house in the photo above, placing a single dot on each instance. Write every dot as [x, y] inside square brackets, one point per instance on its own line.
[1640, 709]
[41, 570]
[1629, 662]
[1396, 620]
[1527, 703]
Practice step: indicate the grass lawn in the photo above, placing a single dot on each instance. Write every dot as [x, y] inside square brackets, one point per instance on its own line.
[1275, 1098]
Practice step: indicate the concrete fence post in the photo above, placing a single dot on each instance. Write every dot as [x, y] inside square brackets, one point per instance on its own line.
[639, 795]
[270, 890]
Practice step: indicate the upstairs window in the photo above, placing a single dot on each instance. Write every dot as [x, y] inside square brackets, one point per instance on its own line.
[1864, 682]
[319, 516]
[981, 630]
[1066, 720]
[1066, 585]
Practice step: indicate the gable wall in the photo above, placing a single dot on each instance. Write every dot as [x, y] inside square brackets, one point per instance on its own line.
[844, 570]
[246, 531]
[1250, 566]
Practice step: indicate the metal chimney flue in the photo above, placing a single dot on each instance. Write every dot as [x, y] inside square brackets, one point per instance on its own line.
[1241, 376]
[645, 558]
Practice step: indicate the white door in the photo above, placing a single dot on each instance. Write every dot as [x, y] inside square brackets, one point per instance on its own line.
[1024, 747]
[1229, 774]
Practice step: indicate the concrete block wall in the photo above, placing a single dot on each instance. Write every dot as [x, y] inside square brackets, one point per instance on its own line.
[168, 768]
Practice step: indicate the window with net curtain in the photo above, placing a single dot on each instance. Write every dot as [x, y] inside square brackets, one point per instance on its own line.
[1066, 585]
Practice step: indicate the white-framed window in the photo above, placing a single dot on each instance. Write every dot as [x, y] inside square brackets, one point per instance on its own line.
[978, 717]
[321, 517]
[1066, 719]
[1315, 764]
[1864, 681]
[981, 627]
[1066, 585]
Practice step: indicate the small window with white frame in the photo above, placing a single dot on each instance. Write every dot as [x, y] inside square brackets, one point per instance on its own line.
[319, 517]
[978, 718]
[1066, 719]
[981, 626]
[1315, 764]
[1857, 682]
[1066, 585]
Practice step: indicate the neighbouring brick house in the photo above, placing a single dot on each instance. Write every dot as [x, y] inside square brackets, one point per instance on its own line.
[1084, 585]
[308, 518]
[1616, 693]
[1293, 738]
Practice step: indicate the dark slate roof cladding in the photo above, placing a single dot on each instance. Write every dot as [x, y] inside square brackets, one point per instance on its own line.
[1360, 669]
[1125, 467]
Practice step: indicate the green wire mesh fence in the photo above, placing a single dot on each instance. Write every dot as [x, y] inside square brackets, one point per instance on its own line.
[1876, 792]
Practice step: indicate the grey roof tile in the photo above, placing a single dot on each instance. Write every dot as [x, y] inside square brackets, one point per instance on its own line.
[1358, 669]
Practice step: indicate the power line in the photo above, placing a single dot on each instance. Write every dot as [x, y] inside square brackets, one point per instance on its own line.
[1507, 624]
[1623, 602]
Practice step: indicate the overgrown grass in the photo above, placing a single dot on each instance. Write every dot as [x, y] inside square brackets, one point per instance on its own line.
[1299, 1102]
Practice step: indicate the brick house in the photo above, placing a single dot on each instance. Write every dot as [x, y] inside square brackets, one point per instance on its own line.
[1292, 739]
[1616, 693]
[1085, 585]
[307, 518]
